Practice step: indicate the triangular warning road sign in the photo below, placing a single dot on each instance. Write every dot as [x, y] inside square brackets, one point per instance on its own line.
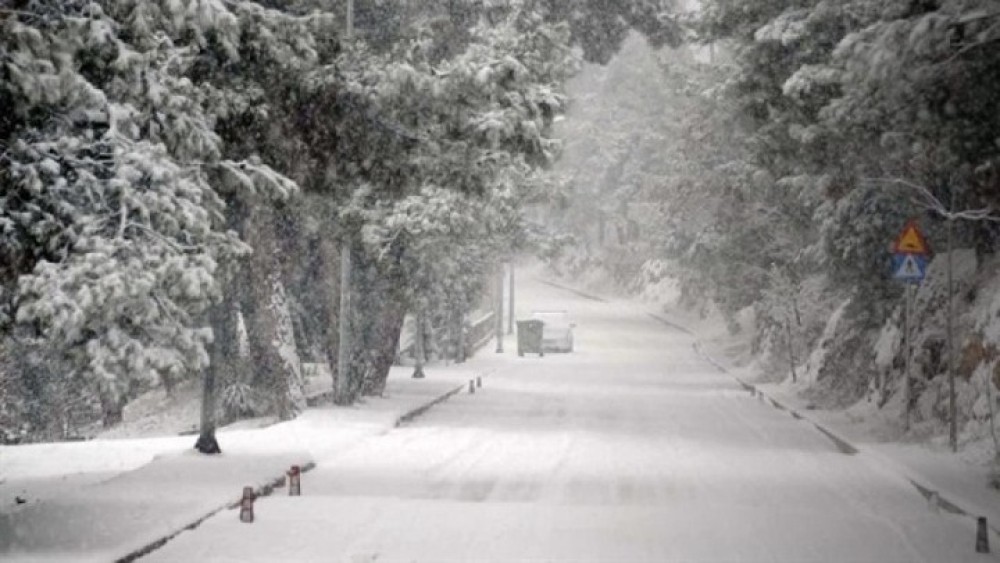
[909, 267]
[911, 241]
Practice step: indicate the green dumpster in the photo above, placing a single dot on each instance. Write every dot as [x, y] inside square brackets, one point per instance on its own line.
[529, 337]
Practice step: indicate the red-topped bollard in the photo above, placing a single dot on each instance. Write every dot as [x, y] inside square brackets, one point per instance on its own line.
[982, 535]
[295, 481]
[246, 505]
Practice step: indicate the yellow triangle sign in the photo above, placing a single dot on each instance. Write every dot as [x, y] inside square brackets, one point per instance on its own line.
[911, 241]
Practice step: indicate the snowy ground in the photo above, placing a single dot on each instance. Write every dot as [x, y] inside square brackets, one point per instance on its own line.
[632, 448]
[101, 499]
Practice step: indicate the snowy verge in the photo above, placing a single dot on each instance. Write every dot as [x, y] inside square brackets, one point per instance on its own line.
[123, 505]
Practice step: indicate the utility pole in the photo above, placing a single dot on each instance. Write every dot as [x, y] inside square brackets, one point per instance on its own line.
[460, 335]
[418, 346]
[510, 304]
[350, 20]
[341, 389]
[499, 308]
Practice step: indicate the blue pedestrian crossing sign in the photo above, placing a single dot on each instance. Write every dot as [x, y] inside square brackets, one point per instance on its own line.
[909, 267]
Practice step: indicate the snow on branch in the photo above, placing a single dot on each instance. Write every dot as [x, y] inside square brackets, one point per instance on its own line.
[924, 198]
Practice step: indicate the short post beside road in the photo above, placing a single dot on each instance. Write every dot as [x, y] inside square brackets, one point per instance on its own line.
[246, 505]
[982, 536]
[472, 387]
[479, 381]
[295, 481]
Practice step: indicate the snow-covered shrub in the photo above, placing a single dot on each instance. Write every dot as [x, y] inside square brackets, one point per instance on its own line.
[820, 351]
[987, 374]
[12, 397]
[844, 366]
[657, 282]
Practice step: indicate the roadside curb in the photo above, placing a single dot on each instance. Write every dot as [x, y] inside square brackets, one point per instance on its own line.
[583, 294]
[261, 491]
[687, 331]
[413, 414]
[270, 485]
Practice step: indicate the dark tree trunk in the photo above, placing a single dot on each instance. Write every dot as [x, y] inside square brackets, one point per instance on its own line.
[224, 360]
[112, 408]
[379, 295]
[351, 361]
[324, 286]
[384, 342]
[261, 280]
[299, 269]
[207, 443]
[419, 344]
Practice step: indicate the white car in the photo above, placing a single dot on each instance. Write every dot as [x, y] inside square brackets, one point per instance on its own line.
[557, 330]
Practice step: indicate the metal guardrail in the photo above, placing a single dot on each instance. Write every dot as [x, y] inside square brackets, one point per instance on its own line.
[479, 332]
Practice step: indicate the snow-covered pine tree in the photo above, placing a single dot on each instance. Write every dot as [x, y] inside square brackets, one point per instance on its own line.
[108, 214]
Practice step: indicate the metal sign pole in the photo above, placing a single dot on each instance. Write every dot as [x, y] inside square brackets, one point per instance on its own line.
[906, 351]
[952, 411]
[910, 252]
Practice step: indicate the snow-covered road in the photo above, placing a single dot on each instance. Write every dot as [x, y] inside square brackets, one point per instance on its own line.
[632, 448]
